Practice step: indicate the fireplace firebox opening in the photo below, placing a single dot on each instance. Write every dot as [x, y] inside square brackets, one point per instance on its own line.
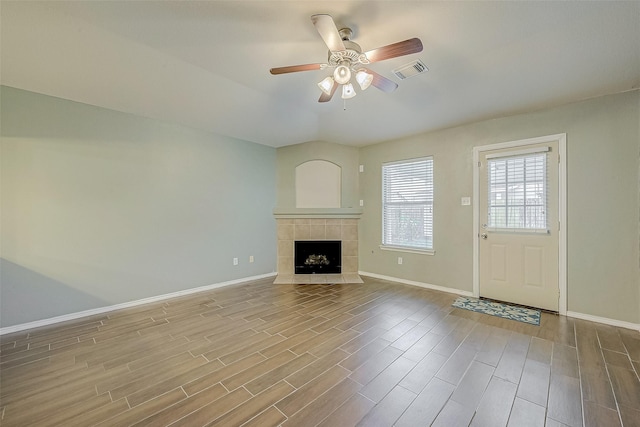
[318, 257]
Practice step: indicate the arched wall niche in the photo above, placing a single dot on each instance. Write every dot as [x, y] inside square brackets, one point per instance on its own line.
[318, 184]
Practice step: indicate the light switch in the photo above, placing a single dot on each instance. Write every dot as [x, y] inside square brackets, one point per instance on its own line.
[361, 202]
[465, 201]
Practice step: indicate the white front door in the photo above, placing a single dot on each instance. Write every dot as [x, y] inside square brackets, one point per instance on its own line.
[518, 256]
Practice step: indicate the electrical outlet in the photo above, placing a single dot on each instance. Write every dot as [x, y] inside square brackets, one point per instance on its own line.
[399, 260]
[361, 168]
[235, 261]
[251, 258]
[361, 202]
[465, 201]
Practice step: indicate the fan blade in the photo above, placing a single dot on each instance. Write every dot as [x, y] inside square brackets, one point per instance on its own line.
[328, 31]
[326, 98]
[381, 82]
[296, 68]
[394, 50]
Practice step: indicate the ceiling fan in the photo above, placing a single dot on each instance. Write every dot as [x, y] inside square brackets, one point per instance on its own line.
[347, 58]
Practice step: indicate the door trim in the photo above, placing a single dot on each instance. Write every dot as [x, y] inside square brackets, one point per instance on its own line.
[561, 138]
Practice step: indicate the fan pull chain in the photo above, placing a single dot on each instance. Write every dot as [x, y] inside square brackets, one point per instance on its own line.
[344, 108]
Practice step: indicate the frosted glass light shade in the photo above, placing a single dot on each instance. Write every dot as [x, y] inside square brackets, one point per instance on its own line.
[326, 85]
[364, 79]
[348, 91]
[342, 74]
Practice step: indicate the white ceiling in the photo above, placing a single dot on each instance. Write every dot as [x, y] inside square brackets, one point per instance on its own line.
[206, 64]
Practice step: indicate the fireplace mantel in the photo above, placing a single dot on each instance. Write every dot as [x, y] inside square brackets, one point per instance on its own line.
[337, 213]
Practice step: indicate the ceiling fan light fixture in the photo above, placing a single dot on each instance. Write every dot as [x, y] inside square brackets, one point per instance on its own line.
[348, 91]
[326, 85]
[346, 57]
[342, 74]
[364, 79]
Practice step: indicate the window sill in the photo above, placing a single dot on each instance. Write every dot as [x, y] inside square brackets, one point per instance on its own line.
[409, 250]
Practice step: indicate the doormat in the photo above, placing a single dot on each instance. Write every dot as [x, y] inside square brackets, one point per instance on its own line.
[511, 312]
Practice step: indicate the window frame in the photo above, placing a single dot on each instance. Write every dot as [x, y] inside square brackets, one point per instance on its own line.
[426, 250]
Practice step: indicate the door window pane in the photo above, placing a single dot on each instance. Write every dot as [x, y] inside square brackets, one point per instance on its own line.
[518, 192]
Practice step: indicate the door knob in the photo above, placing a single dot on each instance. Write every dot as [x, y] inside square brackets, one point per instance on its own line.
[484, 235]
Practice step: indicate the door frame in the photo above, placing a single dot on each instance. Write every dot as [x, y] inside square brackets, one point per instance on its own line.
[561, 138]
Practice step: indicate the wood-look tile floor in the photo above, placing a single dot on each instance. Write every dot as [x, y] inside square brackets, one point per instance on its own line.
[377, 354]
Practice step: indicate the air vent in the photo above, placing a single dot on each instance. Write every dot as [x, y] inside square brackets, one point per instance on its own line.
[411, 69]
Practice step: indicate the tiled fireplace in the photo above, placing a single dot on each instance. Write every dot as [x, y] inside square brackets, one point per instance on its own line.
[291, 230]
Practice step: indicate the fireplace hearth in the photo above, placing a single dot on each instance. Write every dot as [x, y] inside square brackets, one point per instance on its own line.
[318, 257]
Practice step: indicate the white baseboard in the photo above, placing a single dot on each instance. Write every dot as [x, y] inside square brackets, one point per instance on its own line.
[589, 317]
[605, 320]
[101, 310]
[93, 312]
[420, 284]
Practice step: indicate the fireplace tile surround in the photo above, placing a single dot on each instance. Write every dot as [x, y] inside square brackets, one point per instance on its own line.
[291, 229]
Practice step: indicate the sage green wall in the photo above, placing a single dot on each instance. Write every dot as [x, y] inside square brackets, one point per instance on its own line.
[293, 155]
[101, 207]
[603, 143]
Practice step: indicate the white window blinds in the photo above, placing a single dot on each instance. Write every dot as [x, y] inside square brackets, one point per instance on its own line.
[407, 204]
[518, 192]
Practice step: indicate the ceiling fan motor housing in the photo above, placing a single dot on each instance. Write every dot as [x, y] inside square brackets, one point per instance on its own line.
[353, 53]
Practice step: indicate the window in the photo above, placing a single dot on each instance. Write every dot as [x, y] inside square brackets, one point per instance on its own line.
[407, 204]
[518, 192]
